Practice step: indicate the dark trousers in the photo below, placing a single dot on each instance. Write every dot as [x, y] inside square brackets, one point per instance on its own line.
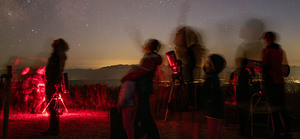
[144, 123]
[53, 109]
[243, 110]
[276, 99]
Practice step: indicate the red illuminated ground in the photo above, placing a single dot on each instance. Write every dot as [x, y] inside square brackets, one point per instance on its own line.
[96, 124]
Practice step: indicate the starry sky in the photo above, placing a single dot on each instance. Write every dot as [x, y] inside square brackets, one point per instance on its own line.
[109, 32]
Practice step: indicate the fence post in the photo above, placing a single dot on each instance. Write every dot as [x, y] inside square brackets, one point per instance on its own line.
[6, 99]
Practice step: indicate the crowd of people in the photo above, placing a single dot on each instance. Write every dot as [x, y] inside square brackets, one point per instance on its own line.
[137, 84]
[259, 47]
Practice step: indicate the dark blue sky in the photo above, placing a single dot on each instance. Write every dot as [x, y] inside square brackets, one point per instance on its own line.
[109, 32]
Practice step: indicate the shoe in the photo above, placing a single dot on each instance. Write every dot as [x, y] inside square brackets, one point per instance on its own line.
[50, 133]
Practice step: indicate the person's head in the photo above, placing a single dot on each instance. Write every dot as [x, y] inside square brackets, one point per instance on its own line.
[152, 45]
[214, 64]
[60, 45]
[244, 63]
[269, 37]
[252, 29]
[187, 37]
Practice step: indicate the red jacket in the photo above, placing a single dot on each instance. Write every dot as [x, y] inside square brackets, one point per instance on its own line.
[272, 59]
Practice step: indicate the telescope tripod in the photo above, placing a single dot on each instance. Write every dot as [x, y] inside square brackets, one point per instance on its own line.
[267, 110]
[173, 84]
[56, 97]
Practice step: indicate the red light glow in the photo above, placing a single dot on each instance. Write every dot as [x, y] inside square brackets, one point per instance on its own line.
[41, 70]
[171, 58]
[41, 87]
[25, 71]
[45, 114]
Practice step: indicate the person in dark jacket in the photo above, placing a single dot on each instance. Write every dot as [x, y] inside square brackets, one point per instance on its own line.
[273, 61]
[143, 75]
[243, 95]
[214, 109]
[54, 70]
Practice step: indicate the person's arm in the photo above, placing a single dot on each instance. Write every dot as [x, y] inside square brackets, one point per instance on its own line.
[135, 74]
[148, 64]
[285, 64]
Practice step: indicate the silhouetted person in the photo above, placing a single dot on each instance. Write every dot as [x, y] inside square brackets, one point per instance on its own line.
[54, 70]
[243, 96]
[190, 51]
[252, 45]
[214, 108]
[248, 51]
[143, 75]
[273, 59]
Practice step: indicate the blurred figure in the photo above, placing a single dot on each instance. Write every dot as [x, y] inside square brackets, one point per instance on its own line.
[248, 51]
[232, 88]
[273, 59]
[54, 70]
[39, 90]
[127, 105]
[214, 108]
[243, 95]
[143, 75]
[27, 89]
[252, 45]
[190, 51]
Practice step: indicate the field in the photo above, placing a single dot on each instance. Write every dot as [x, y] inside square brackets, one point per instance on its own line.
[89, 116]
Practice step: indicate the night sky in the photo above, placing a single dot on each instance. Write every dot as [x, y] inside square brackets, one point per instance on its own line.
[109, 32]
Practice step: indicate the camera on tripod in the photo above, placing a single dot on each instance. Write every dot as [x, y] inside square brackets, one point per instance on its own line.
[62, 87]
[175, 65]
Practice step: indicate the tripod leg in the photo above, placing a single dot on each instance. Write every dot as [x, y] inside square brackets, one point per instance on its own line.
[251, 116]
[169, 101]
[39, 105]
[195, 96]
[270, 116]
[282, 120]
[64, 105]
[48, 104]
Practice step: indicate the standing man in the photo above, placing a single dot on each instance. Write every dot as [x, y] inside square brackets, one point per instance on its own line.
[54, 69]
[273, 60]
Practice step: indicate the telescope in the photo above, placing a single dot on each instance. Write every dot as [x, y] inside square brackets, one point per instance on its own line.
[174, 63]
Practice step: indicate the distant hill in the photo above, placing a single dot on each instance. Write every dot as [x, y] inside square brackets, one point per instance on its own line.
[111, 75]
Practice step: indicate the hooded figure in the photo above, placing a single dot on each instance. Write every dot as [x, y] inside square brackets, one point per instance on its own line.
[214, 109]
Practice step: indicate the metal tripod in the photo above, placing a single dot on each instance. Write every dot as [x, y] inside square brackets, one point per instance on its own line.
[56, 96]
[173, 83]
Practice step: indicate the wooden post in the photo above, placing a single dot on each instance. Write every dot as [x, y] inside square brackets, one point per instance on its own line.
[6, 99]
